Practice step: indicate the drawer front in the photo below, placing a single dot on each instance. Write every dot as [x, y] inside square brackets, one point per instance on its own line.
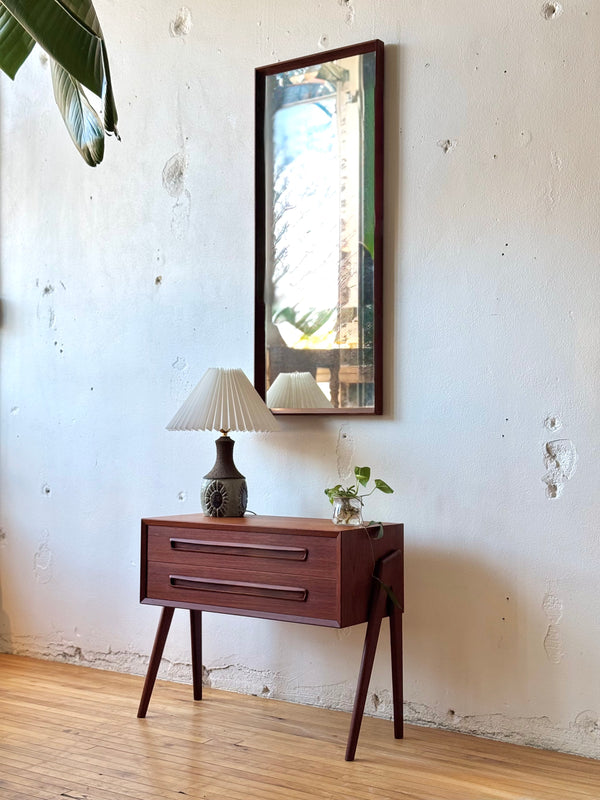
[285, 594]
[232, 550]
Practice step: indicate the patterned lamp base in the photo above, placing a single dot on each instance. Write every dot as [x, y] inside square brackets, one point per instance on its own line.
[224, 490]
[224, 497]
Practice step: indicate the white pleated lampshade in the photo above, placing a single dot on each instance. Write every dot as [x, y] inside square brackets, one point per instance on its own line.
[223, 400]
[296, 390]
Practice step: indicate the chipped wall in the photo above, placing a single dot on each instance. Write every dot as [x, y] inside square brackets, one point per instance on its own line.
[120, 285]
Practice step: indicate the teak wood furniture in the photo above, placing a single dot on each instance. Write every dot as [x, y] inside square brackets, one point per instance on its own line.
[282, 568]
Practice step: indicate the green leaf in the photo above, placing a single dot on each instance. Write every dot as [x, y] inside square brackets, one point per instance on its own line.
[64, 36]
[382, 486]
[85, 11]
[362, 475]
[69, 31]
[82, 121]
[379, 534]
[331, 493]
[309, 323]
[15, 43]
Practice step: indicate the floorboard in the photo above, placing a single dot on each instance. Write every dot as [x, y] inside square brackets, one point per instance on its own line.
[71, 733]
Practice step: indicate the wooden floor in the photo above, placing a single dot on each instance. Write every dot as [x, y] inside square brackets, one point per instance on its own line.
[72, 732]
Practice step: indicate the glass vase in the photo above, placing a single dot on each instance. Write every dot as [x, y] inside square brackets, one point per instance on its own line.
[347, 511]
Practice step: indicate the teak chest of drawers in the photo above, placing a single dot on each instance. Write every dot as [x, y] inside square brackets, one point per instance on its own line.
[282, 568]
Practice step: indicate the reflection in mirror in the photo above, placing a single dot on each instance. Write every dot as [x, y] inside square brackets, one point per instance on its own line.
[318, 231]
[296, 390]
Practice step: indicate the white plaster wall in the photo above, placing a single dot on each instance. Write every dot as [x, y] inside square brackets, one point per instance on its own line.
[120, 285]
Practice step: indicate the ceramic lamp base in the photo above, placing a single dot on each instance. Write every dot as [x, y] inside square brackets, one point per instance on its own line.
[224, 490]
[224, 497]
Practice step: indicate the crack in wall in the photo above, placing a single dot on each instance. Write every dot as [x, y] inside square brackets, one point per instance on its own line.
[582, 737]
[173, 179]
[344, 451]
[551, 10]
[447, 145]
[553, 609]
[182, 24]
[173, 175]
[349, 11]
[560, 460]
[42, 560]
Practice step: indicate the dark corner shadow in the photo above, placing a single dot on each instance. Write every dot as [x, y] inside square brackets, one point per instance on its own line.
[392, 228]
[461, 627]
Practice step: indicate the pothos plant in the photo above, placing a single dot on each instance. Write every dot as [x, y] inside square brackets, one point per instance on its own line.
[348, 494]
[350, 511]
[69, 32]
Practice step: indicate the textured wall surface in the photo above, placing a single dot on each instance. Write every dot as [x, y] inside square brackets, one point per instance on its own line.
[121, 285]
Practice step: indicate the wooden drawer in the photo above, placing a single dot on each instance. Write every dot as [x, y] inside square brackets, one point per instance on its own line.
[283, 595]
[301, 570]
[293, 554]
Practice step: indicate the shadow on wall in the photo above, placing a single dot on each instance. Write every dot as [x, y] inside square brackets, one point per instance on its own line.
[5, 636]
[461, 634]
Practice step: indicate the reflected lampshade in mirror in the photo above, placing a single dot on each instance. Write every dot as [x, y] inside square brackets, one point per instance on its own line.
[296, 390]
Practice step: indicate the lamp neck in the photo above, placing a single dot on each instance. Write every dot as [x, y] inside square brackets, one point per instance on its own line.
[224, 466]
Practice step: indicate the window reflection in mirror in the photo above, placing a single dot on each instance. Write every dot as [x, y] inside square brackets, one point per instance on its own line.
[319, 227]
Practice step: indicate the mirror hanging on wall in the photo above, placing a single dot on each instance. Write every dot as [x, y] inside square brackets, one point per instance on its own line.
[319, 176]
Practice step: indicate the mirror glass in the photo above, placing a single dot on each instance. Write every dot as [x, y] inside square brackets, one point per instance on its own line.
[319, 176]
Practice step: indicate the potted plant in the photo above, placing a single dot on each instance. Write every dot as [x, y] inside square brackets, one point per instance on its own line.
[348, 502]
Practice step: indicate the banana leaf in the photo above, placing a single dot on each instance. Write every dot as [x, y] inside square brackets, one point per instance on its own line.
[15, 43]
[82, 121]
[70, 33]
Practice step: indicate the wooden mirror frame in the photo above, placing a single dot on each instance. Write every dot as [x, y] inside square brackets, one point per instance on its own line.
[260, 355]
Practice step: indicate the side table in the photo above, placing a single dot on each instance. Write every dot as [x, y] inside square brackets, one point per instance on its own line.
[282, 568]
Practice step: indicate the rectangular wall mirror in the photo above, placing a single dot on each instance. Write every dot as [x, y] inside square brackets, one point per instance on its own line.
[319, 215]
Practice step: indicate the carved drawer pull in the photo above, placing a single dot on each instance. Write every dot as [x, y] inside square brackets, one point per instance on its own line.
[239, 549]
[239, 587]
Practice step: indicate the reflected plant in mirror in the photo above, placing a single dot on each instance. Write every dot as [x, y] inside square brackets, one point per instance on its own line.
[319, 164]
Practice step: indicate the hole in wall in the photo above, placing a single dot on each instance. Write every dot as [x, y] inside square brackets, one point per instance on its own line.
[551, 10]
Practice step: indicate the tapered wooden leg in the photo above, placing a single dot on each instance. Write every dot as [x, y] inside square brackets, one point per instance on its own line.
[157, 651]
[396, 648]
[388, 571]
[196, 631]
[366, 667]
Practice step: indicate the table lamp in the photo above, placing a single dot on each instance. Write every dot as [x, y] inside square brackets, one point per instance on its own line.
[296, 390]
[224, 400]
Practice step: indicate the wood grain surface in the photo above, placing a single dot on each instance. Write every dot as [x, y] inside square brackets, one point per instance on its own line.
[72, 732]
